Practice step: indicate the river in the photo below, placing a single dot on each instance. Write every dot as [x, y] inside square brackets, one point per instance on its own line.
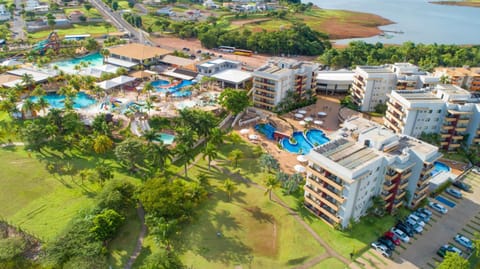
[419, 20]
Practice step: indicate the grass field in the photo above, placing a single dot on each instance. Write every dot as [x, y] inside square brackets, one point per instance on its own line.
[330, 263]
[254, 231]
[92, 13]
[124, 243]
[37, 201]
[76, 29]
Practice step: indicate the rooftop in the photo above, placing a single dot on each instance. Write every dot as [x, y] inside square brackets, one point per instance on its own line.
[346, 76]
[418, 96]
[138, 51]
[179, 61]
[233, 75]
[374, 69]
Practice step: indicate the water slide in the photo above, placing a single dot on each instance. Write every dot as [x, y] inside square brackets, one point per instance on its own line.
[52, 42]
[173, 84]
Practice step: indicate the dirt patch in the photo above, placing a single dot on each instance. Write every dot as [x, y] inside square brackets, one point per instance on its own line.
[459, 3]
[243, 22]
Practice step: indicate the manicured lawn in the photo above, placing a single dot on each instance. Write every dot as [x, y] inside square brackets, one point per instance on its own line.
[37, 201]
[92, 13]
[125, 241]
[76, 29]
[330, 263]
[253, 229]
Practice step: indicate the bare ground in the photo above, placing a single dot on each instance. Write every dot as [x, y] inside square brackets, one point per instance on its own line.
[457, 3]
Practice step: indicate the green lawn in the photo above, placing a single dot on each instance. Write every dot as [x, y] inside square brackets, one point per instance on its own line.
[37, 201]
[92, 13]
[76, 29]
[125, 241]
[252, 227]
[330, 263]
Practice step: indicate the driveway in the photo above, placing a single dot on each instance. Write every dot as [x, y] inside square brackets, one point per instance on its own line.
[18, 23]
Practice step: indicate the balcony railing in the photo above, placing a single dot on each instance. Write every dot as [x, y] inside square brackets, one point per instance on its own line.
[400, 195]
[323, 210]
[407, 175]
[388, 187]
[460, 129]
[403, 184]
[397, 203]
[336, 185]
[457, 137]
[447, 127]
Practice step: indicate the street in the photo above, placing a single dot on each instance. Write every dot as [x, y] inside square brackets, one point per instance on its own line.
[18, 25]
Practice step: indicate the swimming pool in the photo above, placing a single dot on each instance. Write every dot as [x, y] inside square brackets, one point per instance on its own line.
[438, 168]
[267, 129]
[173, 90]
[81, 100]
[186, 104]
[304, 143]
[68, 66]
[167, 139]
[445, 201]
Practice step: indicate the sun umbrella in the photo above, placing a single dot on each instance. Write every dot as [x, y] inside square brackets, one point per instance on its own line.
[302, 159]
[318, 122]
[244, 131]
[308, 119]
[321, 113]
[253, 137]
[299, 168]
[298, 115]
[302, 122]
[302, 111]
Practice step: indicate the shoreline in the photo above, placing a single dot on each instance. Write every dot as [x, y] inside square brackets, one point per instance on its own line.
[457, 3]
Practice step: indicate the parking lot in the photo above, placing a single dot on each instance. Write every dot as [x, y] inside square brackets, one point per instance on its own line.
[421, 251]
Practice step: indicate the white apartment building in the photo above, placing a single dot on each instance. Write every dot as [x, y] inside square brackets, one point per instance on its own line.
[334, 82]
[409, 77]
[449, 110]
[371, 84]
[212, 67]
[4, 13]
[272, 81]
[364, 160]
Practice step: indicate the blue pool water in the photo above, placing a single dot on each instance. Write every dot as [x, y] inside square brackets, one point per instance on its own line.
[175, 90]
[81, 100]
[305, 143]
[316, 137]
[266, 129]
[439, 167]
[445, 201]
[68, 66]
[167, 139]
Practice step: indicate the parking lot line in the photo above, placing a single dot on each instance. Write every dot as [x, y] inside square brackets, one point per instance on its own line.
[376, 257]
[473, 228]
[467, 231]
[431, 265]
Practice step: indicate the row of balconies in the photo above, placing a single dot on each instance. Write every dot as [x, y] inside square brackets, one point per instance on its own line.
[331, 216]
[335, 194]
[338, 184]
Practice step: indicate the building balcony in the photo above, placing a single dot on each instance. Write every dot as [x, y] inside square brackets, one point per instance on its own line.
[330, 193]
[447, 127]
[418, 198]
[263, 95]
[407, 175]
[263, 82]
[476, 140]
[391, 177]
[450, 119]
[428, 170]
[387, 186]
[263, 103]
[463, 121]
[397, 203]
[445, 135]
[460, 129]
[323, 210]
[330, 182]
[423, 188]
[403, 184]
[393, 118]
[454, 145]
[401, 195]
[264, 90]
[444, 143]
[457, 137]
[387, 195]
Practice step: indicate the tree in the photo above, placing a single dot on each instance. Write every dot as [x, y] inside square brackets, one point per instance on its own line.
[185, 153]
[10, 248]
[235, 155]
[106, 224]
[293, 182]
[268, 162]
[105, 52]
[115, 5]
[453, 260]
[102, 144]
[158, 154]
[147, 89]
[87, 6]
[51, 20]
[271, 184]
[104, 173]
[130, 153]
[476, 243]
[235, 101]
[100, 125]
[28, 106]
[162, 229]
[150, 135]
[43, 104]
[210, 152]
[30, 14]
[85, 174]
[27, 80]
[229, 187]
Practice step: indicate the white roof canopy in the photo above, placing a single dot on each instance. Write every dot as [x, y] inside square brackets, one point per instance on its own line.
[235, 76]
[122, 63]
[115, 82]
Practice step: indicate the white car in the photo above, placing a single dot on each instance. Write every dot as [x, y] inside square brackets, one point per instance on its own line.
[416, 219]
[464, 241]
[382, 249]
[414, 225]
[476, 170]
[438, 207]
[401, 235]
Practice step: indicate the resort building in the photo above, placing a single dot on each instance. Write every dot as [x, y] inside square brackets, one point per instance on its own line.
[272, 81]
[410, 77]
[130, 55]
[448, 110]
[212, 67]
[4, 13]
[465, 77]
[334, 82]
[371, 84]
[365, 160]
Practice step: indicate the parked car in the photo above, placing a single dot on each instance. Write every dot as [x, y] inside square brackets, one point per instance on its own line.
[424, 217]
[386, 242]
[455, 193]
[425, 211]
[462, 185]
[404, 228]
[464, 241]
[442, 251]
[403, 236]
[390, 235]
[438, 207]
[381, 249]
[476, 170]
[416, 219]
[417, 228]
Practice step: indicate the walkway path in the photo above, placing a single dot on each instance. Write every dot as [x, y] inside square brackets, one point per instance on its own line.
[331, 252]
[141, 236]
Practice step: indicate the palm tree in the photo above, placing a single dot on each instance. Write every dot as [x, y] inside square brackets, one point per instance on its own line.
[149, 106]
[102, 144]
[27, 80]
[210, 152]
[235, 155]
[150, 135]
[147, 88]
[271, 183]
[43, 104]
[229, 187]
[216, 136]
[39, 91]
[105, 53]
[28, 106]
[159, 154]
[185, 152]
[84, 174]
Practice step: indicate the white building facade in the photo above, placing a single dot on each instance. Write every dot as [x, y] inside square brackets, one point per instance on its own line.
[371, 84]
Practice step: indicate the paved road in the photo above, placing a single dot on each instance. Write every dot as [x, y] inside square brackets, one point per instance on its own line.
[116, 19]
[18, 22]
